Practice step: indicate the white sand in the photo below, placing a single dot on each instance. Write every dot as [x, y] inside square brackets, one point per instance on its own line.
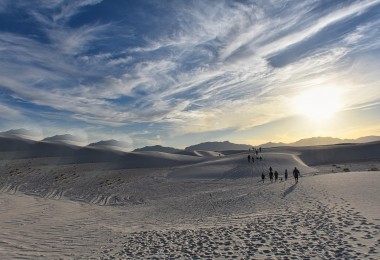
[208, 207]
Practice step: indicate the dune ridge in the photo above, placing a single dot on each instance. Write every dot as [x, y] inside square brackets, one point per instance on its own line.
[97, 203]
[47, 169]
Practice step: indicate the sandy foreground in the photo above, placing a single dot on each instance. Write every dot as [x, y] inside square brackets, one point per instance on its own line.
[211, 209]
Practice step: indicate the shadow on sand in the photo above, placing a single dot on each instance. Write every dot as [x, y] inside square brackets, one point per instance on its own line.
[289, 190]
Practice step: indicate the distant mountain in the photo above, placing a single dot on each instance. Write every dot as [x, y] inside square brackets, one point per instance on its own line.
[323, 141]
[271, 144]
[110, 145]
[158, 148]
[21, 133]
[217, 146]
[317, 141]
[367, 139]
[65, 138]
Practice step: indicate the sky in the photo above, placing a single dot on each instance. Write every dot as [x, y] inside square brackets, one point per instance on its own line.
[181, 72]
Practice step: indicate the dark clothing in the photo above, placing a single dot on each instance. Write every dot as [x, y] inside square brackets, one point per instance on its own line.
[275, 175]
[249, 158]
[296, 174]
[263, 177]
[286, 174]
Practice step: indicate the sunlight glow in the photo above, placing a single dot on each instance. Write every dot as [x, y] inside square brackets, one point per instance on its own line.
[319, 103]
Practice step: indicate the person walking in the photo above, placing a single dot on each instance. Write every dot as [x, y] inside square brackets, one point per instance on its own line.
[275, 176]
[263, 177]
[249, 158]
[270, 174]
[296, 174]
[286, 174]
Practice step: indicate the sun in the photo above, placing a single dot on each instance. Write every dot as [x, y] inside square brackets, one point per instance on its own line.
[319, 103]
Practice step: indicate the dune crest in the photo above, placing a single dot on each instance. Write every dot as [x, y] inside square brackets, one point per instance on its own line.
[172, 203]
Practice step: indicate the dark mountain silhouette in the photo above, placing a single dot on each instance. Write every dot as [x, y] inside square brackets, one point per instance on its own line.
[367, 139]
[217, 146]
[20, 133]
[271, 144]
[313, 141]
[318, 141]
[110, 144]
[158, 148]
[207, 146]
[65, 138]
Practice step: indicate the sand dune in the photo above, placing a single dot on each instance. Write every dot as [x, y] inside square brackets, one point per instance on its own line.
[201, 153]
[237, 166]
[340, 153]
[188, 206]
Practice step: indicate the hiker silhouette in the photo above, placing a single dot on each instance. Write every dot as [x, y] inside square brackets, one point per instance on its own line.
[296, 174]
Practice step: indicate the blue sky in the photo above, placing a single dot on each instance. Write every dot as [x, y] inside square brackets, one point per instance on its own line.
[181, 72]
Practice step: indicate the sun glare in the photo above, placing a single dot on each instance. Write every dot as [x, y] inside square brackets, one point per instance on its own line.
[319, 103]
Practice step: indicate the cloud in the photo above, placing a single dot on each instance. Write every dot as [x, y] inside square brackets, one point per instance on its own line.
[321, 23]
[55, 12]
[8, 113]
[74, 41]
[200, 67]
[3, 6]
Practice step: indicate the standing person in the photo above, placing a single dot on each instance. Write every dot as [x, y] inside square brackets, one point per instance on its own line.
[253, 159]
[260, 149]
[296, 174]
[286, 174]
[249, 158]
[263, 177]
[275, 176]
[270, 174]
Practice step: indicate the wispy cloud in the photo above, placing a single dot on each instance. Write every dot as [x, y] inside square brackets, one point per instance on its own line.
[75, 41]
[8, 113]
[193, 65]
[322, 22]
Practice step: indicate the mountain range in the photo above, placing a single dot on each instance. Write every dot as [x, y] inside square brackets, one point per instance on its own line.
[21, 133]
[158, 148]
[65, 139]
[207, 146]
[218, 146]
[110, 145]
[323, 141]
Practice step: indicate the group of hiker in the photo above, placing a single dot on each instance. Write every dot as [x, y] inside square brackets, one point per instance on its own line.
[255, 154]
[274, 175]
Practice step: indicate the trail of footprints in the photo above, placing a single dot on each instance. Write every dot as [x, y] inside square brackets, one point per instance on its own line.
[319, 232]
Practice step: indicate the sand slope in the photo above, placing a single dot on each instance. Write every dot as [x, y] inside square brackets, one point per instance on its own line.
[105, 204]
[340, 153]
[237, 166]
[317, 218]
